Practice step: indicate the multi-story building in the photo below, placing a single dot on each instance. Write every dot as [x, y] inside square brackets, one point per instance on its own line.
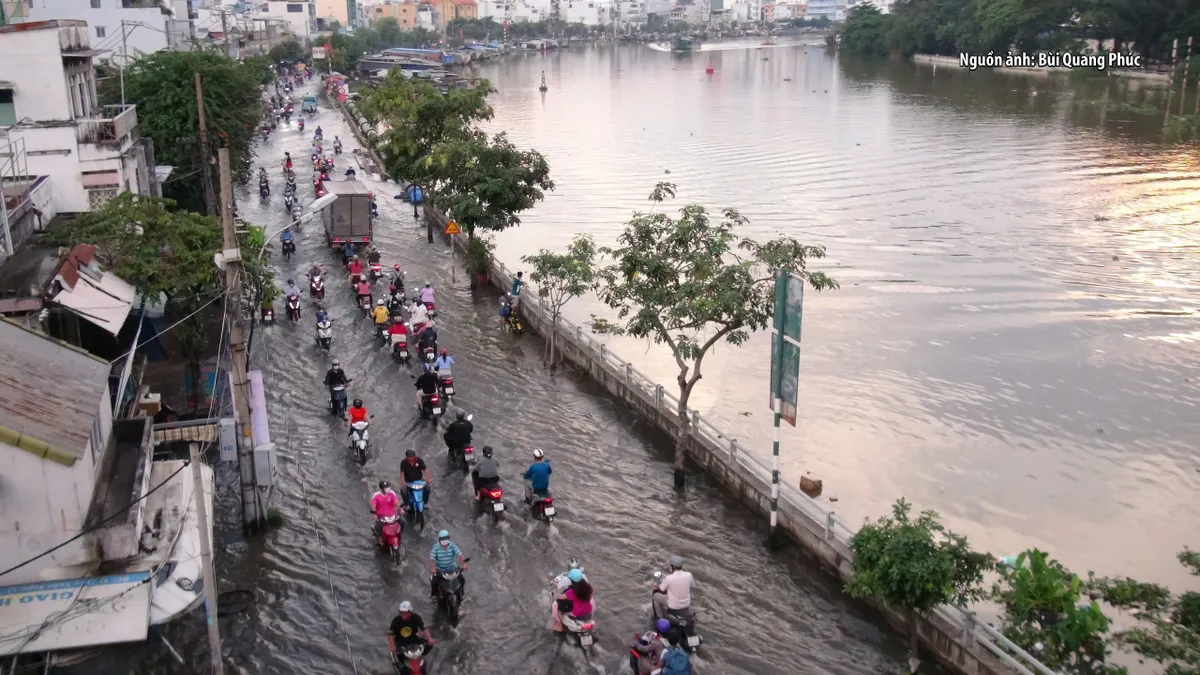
[405, 13]
[117, 26]
[884, 6]
[335, 10]
[90, 152]
[446, 11]
[299, 18]
[587, 12]
[823, 9]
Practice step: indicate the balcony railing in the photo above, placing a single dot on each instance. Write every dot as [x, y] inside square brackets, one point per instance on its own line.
[114, 123]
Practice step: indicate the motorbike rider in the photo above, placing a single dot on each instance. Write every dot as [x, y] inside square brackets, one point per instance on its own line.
[675, 659]
[285, 238]
[315, 271]
[287, 160]
[398, 328]
[337, 143]
[397, 276]
[673, 592]
[445, 556]
[428, 336]
[362, 289]
[537, 475]
[576, 600]
[427, 294]
[380, 315]
[395, 300]
[357, 412]
[373, 256]
[646, 652]
[385, 504]
[444, 361]
[350, 173]
[458, 433]
[563, 581]
[427, 385]
[292, 291]
[417, 314]
[322, 315]
[486, 472]
[335, 376]
[413, 469]
[348, 251]
[300, 123]
[355, 266]
[319, 133]
[408, 628]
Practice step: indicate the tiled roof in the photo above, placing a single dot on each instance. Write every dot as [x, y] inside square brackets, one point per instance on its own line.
[50, 393]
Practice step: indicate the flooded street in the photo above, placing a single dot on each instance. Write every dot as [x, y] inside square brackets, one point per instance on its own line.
[618, 512]
[1016, 337]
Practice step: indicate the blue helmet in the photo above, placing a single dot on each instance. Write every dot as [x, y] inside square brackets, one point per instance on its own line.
[662, 626]
[443, 534]
[575, 576]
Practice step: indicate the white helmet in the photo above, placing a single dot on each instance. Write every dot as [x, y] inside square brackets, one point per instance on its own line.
[537, 453]
[380, 302]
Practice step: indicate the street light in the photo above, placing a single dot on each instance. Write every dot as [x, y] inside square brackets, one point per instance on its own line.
[313, 209]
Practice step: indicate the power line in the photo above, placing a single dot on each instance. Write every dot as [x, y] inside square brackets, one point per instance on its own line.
[167, 329]
[97, 526]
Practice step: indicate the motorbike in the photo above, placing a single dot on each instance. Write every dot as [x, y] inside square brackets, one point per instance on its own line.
[582, 630]
[446, 383]
[365, 304]
[296, 213]
[376, 271]
[381, 331]
[293, 307]
[374, 210]
[324, 334]
[359, 439]
[289, 247]
[450, 594]
[337, 147]
[399, 348]
[268, 316]
[316, 288]
[428, 351]
[337, 400]
[682, 620]
[490, 500]
[416, 503]
[541, 505]
[413, 661]
[431, 407]
[264, 190]
[318, 136]
[266, 133]
[300, 123]
[288, 200]
[431, 308]
[388, 529]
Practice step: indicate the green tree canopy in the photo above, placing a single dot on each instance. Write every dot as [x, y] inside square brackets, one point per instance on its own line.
[690, 283]
[492, 181]
[865, 32]
[288, 51]
[561, 277]
[162, 85]
[914, 565]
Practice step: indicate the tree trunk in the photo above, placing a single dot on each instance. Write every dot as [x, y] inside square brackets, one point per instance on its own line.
[685, 428]
[914, 643]
[197, 389]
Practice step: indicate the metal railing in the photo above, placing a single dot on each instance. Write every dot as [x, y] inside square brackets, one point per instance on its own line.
[667, 403]
[113, 124]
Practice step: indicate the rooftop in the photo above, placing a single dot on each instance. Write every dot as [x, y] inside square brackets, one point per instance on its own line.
[43, 25]
[50, 394]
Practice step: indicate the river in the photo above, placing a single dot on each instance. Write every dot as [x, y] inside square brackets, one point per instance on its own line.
[1015, 340]
[325, 596]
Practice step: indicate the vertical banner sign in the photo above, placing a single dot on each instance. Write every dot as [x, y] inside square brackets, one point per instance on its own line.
[785, 344]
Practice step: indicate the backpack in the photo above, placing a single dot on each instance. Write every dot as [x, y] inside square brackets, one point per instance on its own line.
[676, 662]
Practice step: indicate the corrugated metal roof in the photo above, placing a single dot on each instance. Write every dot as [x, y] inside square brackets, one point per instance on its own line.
[48, 390]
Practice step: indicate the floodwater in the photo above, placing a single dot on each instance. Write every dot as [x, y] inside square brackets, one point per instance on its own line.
[325, 596]
[1016, 336]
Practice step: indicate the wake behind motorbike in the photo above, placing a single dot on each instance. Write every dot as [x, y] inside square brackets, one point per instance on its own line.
[360, 438]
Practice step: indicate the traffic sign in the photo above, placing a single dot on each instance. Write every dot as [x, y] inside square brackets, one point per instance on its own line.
[452, 228]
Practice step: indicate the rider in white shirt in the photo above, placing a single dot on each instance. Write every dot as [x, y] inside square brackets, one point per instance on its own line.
[673, 593]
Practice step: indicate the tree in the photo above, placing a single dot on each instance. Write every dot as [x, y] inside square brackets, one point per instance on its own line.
[287, 51]
[162, 85]
[1044, 616]
[865, 32]
[690, 283]
[914, 566]
[491, 182]
[561, 277]
[1168, 629]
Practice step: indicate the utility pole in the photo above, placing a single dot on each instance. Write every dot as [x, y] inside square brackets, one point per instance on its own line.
[251, 518]
[124, 61]
[206, 561]
[224, 32]
[210, 197]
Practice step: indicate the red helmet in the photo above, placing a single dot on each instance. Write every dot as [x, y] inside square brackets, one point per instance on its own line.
[396, 267]
[393, 288]
[444, 352]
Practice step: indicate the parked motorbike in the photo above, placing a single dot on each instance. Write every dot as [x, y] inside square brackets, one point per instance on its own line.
[359, 439]
[316, 288]
[337, 400]
[450, 590]
[431, 407]
[389, 536]
[490, 500]
[293, 307]
[324, 334]
[289, 247]
[416, 503]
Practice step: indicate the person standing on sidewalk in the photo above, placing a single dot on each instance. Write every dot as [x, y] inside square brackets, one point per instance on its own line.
[515, 291]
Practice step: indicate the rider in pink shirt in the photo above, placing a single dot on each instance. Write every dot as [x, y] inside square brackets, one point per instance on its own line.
[385, 503]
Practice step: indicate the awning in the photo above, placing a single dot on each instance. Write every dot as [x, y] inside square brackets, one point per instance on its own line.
[105, 303]
[74, 613]
[162, 172]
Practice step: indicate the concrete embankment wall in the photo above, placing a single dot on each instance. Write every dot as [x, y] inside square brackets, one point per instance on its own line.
[951, 635]
[953, 62]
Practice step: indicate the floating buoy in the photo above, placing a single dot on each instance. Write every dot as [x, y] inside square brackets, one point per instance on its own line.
[709, 69]
[543, 88]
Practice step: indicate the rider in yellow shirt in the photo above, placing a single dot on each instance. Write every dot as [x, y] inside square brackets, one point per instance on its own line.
[381, 315]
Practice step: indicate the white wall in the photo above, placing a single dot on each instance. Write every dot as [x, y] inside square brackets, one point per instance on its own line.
[299, 23]
[54, 152]
[587, 12]
[44, 503]
[145, 31]
[33, 63]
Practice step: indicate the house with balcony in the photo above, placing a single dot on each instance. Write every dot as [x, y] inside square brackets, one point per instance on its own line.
[130, 26]
[48, 100]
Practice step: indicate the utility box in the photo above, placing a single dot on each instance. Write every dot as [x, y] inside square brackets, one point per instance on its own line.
[227, 434]
[266, 460]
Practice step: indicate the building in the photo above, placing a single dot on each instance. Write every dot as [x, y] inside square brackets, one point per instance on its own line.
[117, 26]
[827, 9]
[89, 152]
[586, 12]
[341, 11]
[405, 13]
[884, 6]
[446, 11]
[300, 18]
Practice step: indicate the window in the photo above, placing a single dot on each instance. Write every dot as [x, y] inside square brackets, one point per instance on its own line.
[8, 111]
[95, 4]
[295, 8]
[100, 31]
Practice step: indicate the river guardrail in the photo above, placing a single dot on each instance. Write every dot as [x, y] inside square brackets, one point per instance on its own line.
[954, 635]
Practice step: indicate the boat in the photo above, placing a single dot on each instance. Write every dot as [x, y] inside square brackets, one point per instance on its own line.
[384, 62]
[682, 45]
